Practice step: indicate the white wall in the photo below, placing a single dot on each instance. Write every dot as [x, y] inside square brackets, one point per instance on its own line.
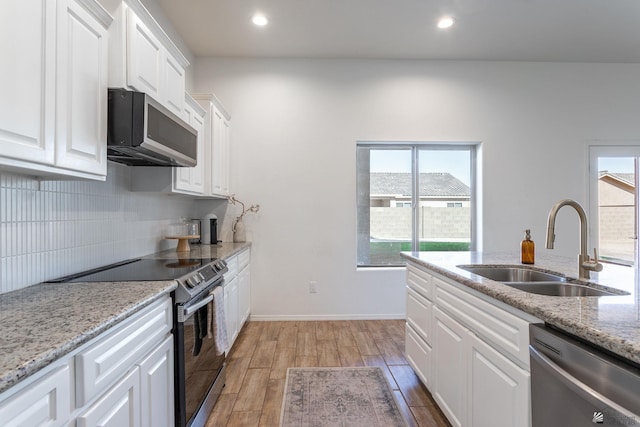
[294, 128]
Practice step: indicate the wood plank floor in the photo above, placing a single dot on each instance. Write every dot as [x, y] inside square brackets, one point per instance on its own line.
[257, 367]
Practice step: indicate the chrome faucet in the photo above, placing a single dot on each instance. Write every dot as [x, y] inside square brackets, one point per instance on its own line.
[585, 263]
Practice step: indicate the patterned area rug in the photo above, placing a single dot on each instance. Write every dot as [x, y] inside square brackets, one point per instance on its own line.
[345, 397]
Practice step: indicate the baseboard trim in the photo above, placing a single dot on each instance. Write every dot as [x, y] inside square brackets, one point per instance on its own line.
[311, 317]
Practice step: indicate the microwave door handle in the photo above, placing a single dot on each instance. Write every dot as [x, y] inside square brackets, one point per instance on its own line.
[576, 385]
[188, 311]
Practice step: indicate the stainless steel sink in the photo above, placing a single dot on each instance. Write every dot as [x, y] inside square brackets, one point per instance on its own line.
[560, 289]
[512, 273]
[538, 282]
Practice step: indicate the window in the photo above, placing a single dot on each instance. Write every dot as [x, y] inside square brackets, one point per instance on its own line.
[614, 202]
[426, 179]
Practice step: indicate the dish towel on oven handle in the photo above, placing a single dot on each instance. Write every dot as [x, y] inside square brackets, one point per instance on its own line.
[200, 328]
[217, 324]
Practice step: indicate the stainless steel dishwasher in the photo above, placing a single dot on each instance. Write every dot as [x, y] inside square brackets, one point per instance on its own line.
[575, 384]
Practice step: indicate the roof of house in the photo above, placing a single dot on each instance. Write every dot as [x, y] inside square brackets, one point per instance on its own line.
[436, 184]
[618, 178]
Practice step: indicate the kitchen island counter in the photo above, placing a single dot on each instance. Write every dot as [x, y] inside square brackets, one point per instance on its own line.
[611, 322]
[43, 322]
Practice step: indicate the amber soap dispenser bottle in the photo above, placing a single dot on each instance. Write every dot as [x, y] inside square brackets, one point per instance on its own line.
[527, 249]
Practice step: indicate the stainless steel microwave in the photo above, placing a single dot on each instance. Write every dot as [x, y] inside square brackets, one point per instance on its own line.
[141, 132]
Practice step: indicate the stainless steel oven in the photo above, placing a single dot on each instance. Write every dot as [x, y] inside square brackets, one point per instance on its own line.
[199, 363]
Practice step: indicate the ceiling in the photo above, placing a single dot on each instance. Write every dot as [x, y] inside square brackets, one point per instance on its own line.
[510, 30]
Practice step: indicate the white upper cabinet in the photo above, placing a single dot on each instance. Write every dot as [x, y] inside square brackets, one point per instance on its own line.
[217, 134]
[27, 75]
[142, 57]
[81, 113]
[191, 180]
[174, 82]
[53, 109]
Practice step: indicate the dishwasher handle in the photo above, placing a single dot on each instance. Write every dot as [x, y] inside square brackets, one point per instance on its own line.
[576, 385]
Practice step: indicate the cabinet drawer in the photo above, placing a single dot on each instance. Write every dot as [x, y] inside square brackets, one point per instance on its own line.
[119, 407]
[419, 314]
[420, 281]
[507, 332]
[106, 361]
[46, 402]
[232, 265]
[243, 259]
[418, 355]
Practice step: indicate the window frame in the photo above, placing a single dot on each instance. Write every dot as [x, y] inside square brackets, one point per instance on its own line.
[415, 147]
[596, 151]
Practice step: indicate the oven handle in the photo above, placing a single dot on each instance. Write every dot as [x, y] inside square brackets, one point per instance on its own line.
[574, 384]
[188, 311]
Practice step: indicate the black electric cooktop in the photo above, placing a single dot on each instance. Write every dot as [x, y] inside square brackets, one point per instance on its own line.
[138, 270]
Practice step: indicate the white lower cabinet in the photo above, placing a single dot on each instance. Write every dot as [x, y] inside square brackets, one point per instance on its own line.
[157, 391]
[122, 378]
[419, 355]
[231, 309]
[237, 293]
[119, 407]
[470, 352]
[499, 389]
[44, 403]
[244, 296]
[449, 357]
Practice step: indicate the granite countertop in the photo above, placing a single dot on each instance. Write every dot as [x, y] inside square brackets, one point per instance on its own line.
[221, 250]
[43, 322]
[611, 322]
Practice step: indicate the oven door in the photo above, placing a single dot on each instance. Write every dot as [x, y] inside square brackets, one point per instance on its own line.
[198, 367]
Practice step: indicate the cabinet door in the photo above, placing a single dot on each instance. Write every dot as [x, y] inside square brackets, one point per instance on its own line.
[46, 402]
[231, 309]
[173, 85]
[419, 355]
[182, 176]
[197, 172]
[244, 296]
[226, 156]
[419, 311]
[499, 389]
[119, 407]
[145, 56]
[450, 343]
[81, 113]
[27, 104]
[220, 152]
[156, 391]
[191, 180]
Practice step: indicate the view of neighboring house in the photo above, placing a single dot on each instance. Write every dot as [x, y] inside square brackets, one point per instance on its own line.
[616, 211]
[444, 207]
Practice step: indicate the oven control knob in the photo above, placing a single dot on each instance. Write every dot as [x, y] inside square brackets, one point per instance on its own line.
[192, 281]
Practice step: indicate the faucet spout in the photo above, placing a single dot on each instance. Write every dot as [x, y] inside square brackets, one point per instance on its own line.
[585, 263]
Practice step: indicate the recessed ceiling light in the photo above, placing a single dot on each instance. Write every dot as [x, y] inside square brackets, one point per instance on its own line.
[445, 22]
[260, 20]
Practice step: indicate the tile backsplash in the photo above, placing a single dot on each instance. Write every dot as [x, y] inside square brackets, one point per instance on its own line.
[50, 229]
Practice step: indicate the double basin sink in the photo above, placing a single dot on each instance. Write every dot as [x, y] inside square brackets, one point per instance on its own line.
[538, 282]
